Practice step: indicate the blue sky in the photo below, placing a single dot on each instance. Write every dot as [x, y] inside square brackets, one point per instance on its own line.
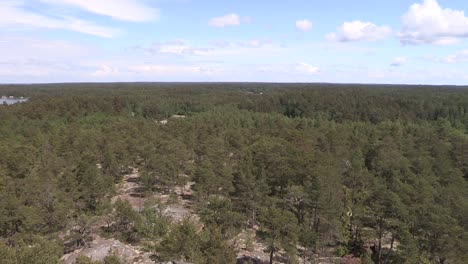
[401, 41]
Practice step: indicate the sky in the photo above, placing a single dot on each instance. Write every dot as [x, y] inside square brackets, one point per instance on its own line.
[337, 41]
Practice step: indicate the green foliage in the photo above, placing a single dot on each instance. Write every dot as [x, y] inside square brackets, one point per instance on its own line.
[216, 249]
[85, 260]
[112, 259]
[280, 230]
[218, 214]
[148, 224]
[183, 242]
[125, 218]
[148, 180]
[152, 223]
[37, 250]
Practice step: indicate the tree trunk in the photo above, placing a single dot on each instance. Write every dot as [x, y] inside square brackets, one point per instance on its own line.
[300, 213]
[315, 217]
[391, 243]
[271, 255]
[317, 224]
[380, 245]
[357, 234]
[253, 216]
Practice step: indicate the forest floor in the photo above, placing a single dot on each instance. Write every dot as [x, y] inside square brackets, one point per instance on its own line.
[178, 206]
[128, 190]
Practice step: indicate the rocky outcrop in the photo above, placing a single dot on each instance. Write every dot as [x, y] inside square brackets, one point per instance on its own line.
[100, 248]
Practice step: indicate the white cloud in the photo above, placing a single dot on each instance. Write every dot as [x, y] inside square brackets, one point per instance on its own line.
[40, 60]
[399, 61]
[303, 25]
[459, 57]
[224, 21]
[214, 51]
[174, 47]
[359, 31]
[87, 27]
[126, 10]
[105, 71]
[25, 48]
[429, 23]
[253, 43]
[29, 58]
[12, 14]
[157, 69]
[238, 52]
[307, 68]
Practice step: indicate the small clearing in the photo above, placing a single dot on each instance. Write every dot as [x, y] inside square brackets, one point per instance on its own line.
[177, 207]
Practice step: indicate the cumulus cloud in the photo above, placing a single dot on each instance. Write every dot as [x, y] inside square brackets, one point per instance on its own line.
[126, 10]
[359, 31]
[429, 23]
[399, 61]
[13, 14]
[303, 25]
[307, 68]
[225, 21]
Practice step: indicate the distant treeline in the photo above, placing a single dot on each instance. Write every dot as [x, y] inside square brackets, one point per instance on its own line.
[373, 103]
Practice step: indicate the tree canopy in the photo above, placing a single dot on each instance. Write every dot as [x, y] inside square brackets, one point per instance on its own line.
[377, 172]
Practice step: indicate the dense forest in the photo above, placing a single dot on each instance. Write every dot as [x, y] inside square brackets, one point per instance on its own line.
[353, 173]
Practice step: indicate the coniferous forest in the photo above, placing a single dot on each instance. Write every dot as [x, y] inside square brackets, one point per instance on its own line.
[234, 173]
